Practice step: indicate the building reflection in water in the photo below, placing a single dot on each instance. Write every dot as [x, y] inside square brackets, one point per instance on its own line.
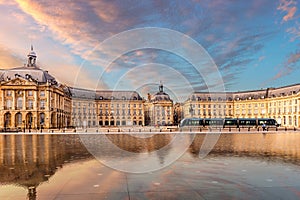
[30, 160]
[146, 143]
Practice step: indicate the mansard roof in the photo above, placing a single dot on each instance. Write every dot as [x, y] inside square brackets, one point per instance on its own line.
[243, 95]
[104, 94]
[31, 73]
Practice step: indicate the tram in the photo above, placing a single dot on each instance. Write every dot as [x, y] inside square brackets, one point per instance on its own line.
[229, 122]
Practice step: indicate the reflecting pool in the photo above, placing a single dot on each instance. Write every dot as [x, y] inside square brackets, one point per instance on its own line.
[240, 166]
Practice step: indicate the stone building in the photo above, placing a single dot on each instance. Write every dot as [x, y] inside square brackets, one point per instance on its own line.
[106, 108]
[159, 108]
[281, 104]
[31, 98]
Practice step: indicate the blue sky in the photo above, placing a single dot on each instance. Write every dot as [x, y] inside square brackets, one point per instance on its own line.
[254, 44]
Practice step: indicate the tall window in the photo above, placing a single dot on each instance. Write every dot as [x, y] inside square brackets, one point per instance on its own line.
[19, 103]
[8, 93]
[30, 93]
[42, 93]
[8, 104]
[42, 104]
[30, 104]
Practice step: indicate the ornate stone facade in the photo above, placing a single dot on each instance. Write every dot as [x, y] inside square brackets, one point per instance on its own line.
[31, 98]
[159, 109]
[106, 108]
[281, 104]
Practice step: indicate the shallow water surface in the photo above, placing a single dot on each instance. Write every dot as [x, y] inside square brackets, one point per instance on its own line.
[240, 166]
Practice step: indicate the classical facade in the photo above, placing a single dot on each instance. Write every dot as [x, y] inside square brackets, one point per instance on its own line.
[281, 104]
[159, 108]
[106, 108]
[31, 98]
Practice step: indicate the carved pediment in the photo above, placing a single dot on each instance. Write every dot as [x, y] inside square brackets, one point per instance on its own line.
[18, 82]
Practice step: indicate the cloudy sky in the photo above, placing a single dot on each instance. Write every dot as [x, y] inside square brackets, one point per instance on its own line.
[253, 44]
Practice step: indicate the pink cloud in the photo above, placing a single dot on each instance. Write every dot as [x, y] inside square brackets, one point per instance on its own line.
[295, 31]
[289, 7]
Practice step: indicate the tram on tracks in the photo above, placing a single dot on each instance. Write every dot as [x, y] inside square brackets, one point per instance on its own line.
[229, 122]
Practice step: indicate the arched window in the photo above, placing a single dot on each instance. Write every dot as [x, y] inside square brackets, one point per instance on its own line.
[42, 118]
[18, 119]
[19, 103]
[7, 119]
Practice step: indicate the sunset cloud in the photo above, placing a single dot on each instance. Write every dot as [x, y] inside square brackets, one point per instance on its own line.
[235, 35]
[289, 7]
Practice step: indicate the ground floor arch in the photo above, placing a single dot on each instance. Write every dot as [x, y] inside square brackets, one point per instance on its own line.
[18, 120]
[7, 120]
[29, 120]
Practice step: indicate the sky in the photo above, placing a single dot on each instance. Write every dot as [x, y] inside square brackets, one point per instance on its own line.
[135, 45]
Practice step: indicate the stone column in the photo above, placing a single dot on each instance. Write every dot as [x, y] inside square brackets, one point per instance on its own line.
[13, 99]
[24, 100]
[35, 100]
[48, 101]
[2, 98]
[2, 149]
